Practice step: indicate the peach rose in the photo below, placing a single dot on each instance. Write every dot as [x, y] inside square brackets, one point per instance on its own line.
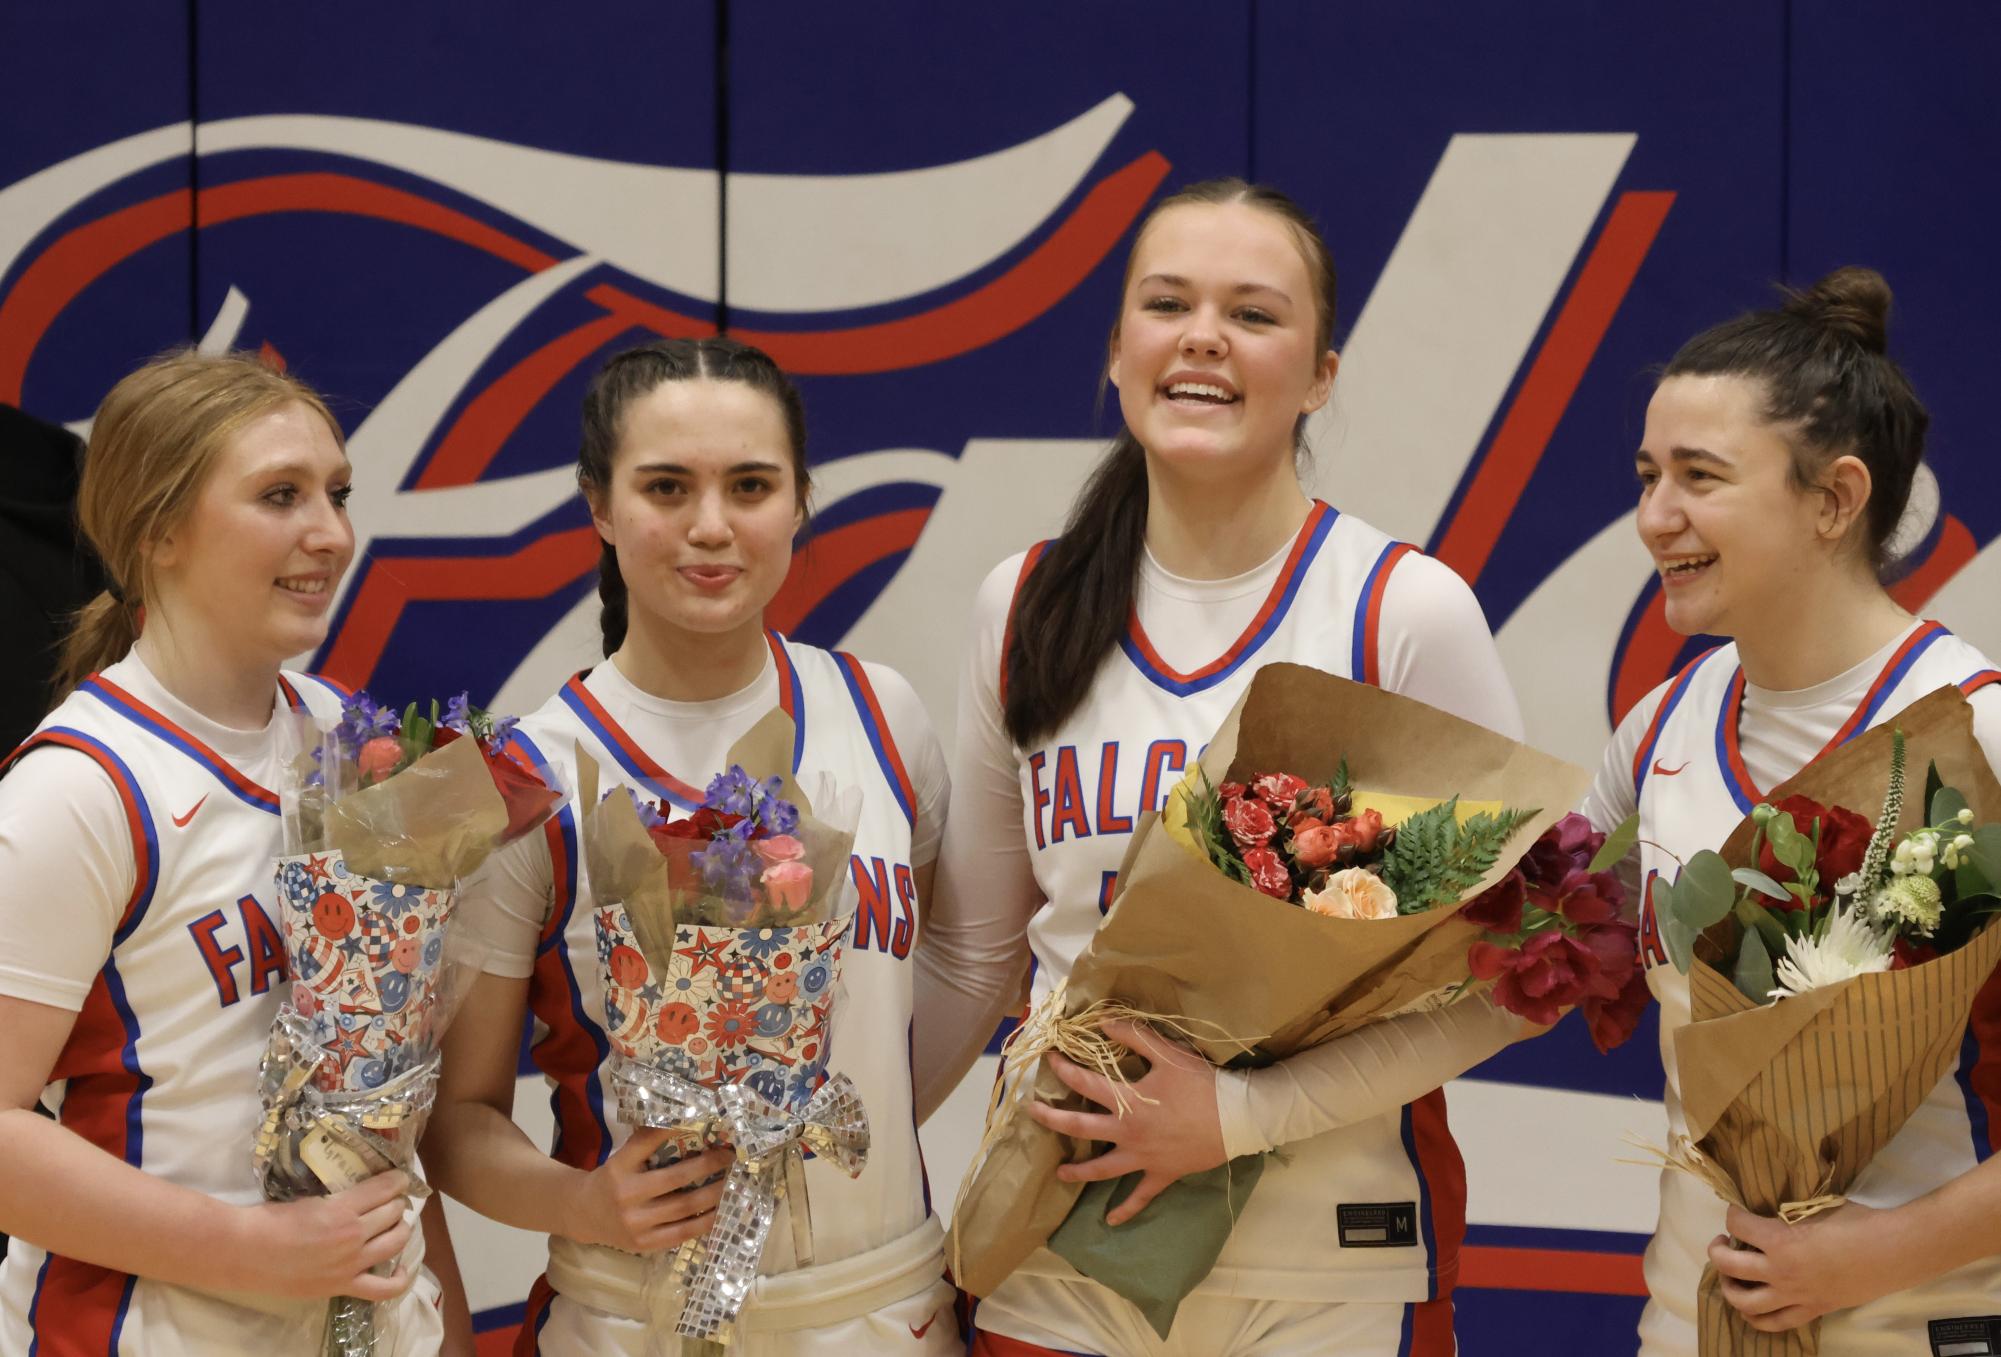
[779, 848]
[1353, 894]
[789, 885]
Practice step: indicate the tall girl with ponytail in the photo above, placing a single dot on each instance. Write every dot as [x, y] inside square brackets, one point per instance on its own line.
[1105, 659]
[140, 960]
[1777, 459]
[694, 467]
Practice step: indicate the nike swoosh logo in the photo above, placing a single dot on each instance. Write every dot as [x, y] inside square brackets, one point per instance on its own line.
[1667, 772]
[181, 821]
[916, 1332]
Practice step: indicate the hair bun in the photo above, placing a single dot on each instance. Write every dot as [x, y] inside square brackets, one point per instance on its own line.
[1851, 302]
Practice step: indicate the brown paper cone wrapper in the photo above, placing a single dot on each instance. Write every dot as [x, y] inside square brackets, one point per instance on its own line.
[1793, 1099]
[1244, 973]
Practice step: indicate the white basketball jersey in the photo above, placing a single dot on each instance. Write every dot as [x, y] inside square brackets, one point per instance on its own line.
[1692, 789]
[161, 1066]
[1114, 758]
[841, 732]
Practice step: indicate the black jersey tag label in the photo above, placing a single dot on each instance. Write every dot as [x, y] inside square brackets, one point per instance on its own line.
[1377, 1225]
[1972, 1336]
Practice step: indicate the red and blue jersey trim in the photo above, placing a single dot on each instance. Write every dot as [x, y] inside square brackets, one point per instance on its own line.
[879, 737]
[163, 729]
[641, 766]
[1730, 755]
[1973, 683]
[1277, 603]
[1363, 664]
[1979, 1071]
[105, 1099]
[1643, 758]
[1441, 1188]
[298, 703]
[574, 1048]
[1028, 562]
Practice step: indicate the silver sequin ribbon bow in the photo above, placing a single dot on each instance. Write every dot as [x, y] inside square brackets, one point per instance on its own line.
[716, 1271]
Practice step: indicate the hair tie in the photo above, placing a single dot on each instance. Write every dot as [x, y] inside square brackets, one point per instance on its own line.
[117, 594]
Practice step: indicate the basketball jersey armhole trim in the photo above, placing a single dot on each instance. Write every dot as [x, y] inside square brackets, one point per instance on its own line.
[879, 735]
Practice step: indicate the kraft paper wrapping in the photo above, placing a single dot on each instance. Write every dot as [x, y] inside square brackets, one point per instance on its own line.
[1792, 1099]
[430, 825]
[1243, 973]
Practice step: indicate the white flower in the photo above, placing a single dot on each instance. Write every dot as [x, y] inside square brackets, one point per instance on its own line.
[1965, 815]
[1910, 904]
[1849, 884]
[1850, 947]
[1353, 894]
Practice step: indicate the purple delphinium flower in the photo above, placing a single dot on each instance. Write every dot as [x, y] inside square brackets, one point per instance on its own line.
[729, 865]
[361, 720]
[458, 715]
[649, 812]
[733, 791]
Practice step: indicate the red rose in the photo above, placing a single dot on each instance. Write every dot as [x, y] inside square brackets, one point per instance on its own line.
[1498, 909]
[1316, 845]
[1611, 1022]
[1230, 791]
[1362, 831]
[1268, 873]
[1905, 954]
[1249, 823]
[1278, 790]
[1844, 839]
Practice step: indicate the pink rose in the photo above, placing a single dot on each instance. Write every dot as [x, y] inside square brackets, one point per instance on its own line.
[1268, 873]
[779, 848]
[1249, 823]
[1353, 894]
[788, 884]
[378, 758]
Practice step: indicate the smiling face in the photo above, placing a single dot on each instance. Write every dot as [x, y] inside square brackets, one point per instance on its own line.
[702, 506]
[1731, 533]
[247, 576]
[1217, 352]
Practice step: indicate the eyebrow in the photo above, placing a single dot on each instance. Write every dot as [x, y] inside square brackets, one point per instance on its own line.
[296, 470]
[1176, 280]
[677, 469]
[1685, 455]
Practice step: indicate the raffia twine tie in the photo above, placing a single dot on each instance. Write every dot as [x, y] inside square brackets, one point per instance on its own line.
[1682, 1156]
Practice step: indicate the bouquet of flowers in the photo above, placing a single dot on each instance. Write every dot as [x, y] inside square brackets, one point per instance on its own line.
[382, 820]
[721, 936]
[1342, 903]
[1817, 941]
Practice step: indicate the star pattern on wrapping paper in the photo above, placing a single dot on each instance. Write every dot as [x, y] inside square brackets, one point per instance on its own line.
[650, 992]
[316, 867]
[706, 952]
[349, 1044]
[352, 944]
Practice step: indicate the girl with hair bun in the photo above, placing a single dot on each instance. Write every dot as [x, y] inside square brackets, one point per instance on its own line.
[1777, 458]
[1100, 662]
[141, 963]
[694, 467]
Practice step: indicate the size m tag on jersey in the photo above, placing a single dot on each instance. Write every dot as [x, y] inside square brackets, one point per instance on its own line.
[1973, 1336]
[1377, 1225]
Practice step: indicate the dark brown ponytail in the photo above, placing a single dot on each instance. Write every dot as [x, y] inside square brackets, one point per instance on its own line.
[1822, 357]
[1076, 604]
[626, 377]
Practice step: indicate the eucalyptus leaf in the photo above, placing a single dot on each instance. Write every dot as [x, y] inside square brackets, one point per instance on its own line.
[1704, 891]
[1789, 846]
[1679, 940]
[1617, 844]
[1985, 855]
[1758, 881]
[1946, 803]
[1934, 784]
[1753, 973]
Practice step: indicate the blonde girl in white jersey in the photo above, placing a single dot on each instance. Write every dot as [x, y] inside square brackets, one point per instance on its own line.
[1779, 452]
[140, 964]
[1099, 665]
[694, 466]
